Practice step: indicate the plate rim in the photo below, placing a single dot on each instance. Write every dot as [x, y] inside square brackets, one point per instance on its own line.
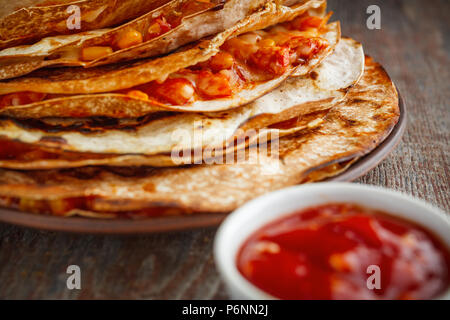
[82, 225]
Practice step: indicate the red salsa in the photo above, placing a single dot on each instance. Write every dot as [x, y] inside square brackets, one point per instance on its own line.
[343, 251]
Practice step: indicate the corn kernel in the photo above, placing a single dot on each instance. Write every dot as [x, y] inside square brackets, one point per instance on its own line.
[94, 53]
[137, 94]
[129, 38]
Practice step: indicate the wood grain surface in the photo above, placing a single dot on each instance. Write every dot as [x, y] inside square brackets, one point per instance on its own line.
[413, 45]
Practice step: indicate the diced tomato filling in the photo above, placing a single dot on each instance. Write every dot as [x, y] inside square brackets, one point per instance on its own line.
[21, 98]
[158, 27]
[55, 207]
[62, 207]
[275, 60]
[305, 48]
[242, 62]
[214, 85]
[176, 91]
[12, 150]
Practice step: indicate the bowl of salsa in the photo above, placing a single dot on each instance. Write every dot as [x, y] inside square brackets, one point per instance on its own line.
[335, 241]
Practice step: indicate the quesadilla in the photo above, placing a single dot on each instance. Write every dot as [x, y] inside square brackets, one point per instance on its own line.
[34, 20]
[227, 71]
[154, 33]
[351, 129]
[170, 139]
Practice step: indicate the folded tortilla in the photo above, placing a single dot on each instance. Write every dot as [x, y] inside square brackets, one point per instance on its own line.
[170, 139]
[34, 20]
[155, 33]
[351, 129]
[136, 89]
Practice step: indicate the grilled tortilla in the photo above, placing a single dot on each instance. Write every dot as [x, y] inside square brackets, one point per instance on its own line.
[351, 129]
[154, 33]
[170, 139]
[234, 68]
[35, 20]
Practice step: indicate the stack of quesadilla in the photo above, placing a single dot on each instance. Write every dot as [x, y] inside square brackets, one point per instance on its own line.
[186, 106]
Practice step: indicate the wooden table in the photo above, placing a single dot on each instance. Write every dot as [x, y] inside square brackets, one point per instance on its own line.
[413, 45]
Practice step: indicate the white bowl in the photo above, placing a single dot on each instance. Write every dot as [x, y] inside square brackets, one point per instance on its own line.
[255, 214]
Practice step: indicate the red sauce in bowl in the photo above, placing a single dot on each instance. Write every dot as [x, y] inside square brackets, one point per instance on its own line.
[343, 251]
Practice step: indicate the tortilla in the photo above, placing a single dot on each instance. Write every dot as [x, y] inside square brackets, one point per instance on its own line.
[351, 129]
[185, 18]
[32, 23]
[132, 77]
[152, 141]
